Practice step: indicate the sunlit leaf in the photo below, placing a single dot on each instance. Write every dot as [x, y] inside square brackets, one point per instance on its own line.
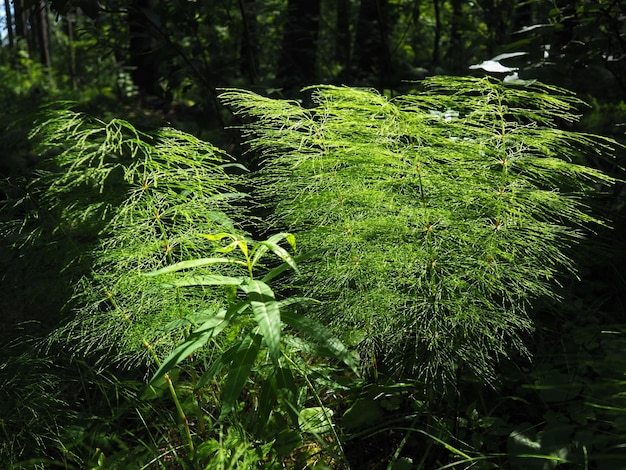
[194, 263]
[272, 244]
[266, 313]
[205, 280]
[315, 420]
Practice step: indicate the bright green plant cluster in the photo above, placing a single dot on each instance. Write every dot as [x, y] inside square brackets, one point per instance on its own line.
[143, 199]
[160, 290]
[439, 215]
[426, 224]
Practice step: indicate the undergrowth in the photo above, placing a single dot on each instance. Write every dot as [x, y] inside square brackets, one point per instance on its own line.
[426, 232]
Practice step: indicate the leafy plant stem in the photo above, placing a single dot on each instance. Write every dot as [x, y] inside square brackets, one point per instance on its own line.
[180, 411]
[342, 454]
[168, 380]
[405, 439]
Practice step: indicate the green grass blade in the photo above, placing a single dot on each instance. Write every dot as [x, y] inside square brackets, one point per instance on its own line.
[239, 372]
[205, 280]
[321, 335]
[295, 300]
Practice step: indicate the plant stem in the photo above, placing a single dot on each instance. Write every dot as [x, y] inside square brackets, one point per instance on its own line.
[168, 380]
[322, 407]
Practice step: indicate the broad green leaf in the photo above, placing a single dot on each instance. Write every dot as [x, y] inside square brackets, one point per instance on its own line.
[284, 266]
[225, 359]
[220, 236]
[217, 236]
[321, 335]
[267, 400]
[272, 244]
[239, 372]
[266, 313]
[315, 420]
[192, 319]
[194, 341]
[363, 411]
[287, 390]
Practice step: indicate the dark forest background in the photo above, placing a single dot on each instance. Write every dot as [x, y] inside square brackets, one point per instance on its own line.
[164, 63]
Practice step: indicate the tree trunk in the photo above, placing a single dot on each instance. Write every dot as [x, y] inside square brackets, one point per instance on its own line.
[437, 40]
[297, 63]
[42, 31]
[21, 25]
[9, 19]
[343, 38]
[456, 52]
[371, 50]
[143, 56]
[248, 53]
[69, 29]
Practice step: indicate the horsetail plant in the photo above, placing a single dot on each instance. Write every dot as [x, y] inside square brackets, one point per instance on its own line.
[439, 216]
[123, 201]
[141, 199]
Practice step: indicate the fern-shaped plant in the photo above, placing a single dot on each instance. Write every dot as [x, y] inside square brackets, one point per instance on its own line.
[141, 201]
[439, 215]
[144, 201]
[261, 344]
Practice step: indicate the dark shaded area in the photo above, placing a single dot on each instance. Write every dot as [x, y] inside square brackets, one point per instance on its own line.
[297, 61]
[115, 57]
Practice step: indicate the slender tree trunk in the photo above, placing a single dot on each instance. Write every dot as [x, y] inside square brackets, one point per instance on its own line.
[41, 16]
[498, 16]
[371, 50]
[21, 25]
[69, 29]
[143, 56]
[456, 53]
[9, 19]
[437, 40]
[248, 54]
[297, 63]
[343, 38]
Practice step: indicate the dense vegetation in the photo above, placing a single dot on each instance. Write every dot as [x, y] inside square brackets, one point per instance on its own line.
[210, 261]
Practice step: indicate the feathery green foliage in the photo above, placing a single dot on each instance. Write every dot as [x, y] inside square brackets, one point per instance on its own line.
[144, 202]
[439, 215]
[142, 199]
